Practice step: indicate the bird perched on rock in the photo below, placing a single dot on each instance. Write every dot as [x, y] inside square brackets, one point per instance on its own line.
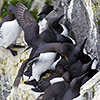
[44, 55]
[60, 32]
[59, 28]
[78, 68]
[76, 53]
[57, 90]
[9, 29]
[30, 27]
[74, 89]
[46, 82]
[64, 89]
[44, 12]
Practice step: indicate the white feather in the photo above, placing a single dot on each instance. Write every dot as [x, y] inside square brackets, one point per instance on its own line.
[42, 25]
[24, 38]
[54, 64]
[37, 94]
[72, 40]
[65, 31]
[95, 62]
[57, 79]
[94, 65]
[10, 31]
[45, 60]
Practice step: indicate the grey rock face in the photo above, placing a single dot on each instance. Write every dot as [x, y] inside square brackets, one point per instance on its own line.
[83, 25]
[79, 19]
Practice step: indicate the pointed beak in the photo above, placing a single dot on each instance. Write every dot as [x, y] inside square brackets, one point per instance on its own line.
[84, 75]
[53, 29]
[59, 18]
[83, 43]
[39, 14]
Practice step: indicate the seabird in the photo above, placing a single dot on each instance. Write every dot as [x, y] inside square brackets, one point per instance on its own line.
[76, 53]
[31, 28]
[9, 29]
[42, 60]
[42, 20]
[46, 54]
[74, 89]
[60, 28]
[78, 68]
[60, 67]
[57, 90]
[45, 11]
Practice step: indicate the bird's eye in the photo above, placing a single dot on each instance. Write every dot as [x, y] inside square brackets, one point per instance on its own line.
[10, 11]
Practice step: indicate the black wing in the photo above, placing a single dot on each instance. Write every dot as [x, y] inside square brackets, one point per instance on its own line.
[27, 22]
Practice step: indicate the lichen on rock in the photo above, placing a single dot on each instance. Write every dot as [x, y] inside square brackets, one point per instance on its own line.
[9, 66]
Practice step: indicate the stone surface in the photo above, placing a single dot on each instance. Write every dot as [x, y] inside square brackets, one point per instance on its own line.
[84, 22]
[23, 92]
[9, 66]
[80, 15]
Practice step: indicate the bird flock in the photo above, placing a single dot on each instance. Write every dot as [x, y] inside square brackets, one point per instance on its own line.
[53, 52]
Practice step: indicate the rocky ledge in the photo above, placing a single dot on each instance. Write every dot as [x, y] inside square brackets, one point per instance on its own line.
[82, 21]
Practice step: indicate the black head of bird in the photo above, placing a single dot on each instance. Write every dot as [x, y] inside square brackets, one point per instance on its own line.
[79, 48]
[10, 16]
[85, 58]
[11, 9]
[45, 11]
[54, 22]
[67, 77]
[87, 67]
[76, 83]
[61, 38]
[76, 69]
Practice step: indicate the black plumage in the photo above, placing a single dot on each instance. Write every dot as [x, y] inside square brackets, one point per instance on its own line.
[45, 11]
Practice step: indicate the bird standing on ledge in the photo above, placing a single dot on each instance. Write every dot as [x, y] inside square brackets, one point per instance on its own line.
[9, 29]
